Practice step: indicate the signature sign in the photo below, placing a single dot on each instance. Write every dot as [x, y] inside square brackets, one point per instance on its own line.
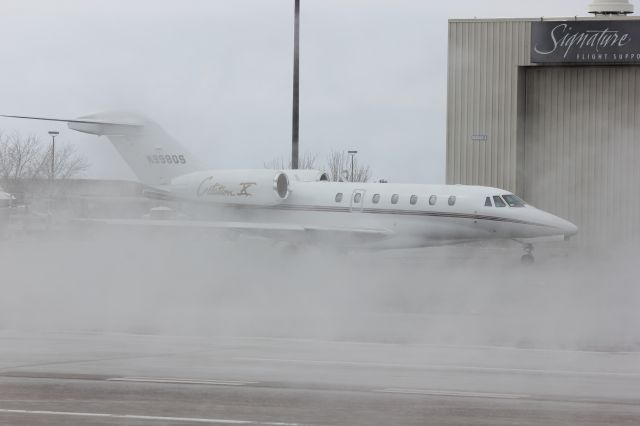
[209, 187]
[585, 41]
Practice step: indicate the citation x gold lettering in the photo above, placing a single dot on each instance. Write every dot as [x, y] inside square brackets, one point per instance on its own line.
[208, 187]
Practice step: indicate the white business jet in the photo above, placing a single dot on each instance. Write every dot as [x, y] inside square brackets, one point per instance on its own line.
[300, 206]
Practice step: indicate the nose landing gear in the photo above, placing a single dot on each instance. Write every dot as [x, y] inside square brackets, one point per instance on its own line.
[527, 258]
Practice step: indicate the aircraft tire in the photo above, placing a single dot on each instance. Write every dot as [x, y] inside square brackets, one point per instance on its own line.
[527, 259]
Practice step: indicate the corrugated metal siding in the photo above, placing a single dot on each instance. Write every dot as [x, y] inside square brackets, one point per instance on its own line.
[581, 150]
[483, 99]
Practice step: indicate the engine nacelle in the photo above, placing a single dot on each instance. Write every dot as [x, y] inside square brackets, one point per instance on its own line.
[307, 175]
[261, 187]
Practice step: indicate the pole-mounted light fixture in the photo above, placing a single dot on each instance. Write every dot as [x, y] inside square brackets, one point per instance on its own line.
[352, 154]
[53, 134]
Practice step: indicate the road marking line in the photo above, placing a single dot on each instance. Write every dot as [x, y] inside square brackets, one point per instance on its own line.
[452, 393]
[444, 367]
[140, 417]
[174, 380]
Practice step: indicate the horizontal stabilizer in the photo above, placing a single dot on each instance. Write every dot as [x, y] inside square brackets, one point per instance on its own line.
[74, 120]
[92, 126]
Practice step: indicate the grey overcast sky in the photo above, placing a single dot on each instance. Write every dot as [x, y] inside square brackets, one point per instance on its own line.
[217, 74]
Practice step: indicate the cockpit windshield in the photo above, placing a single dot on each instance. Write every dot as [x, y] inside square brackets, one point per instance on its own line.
[513, 200]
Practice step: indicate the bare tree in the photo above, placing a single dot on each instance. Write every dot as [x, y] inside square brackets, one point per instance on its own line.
[28, 158]
[67, 163]
[339, 168]
[307, 161]
[19, 157]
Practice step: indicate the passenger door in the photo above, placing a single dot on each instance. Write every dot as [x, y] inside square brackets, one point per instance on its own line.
[357, 200]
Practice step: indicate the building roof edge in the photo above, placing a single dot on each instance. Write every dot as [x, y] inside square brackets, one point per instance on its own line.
[548, 18]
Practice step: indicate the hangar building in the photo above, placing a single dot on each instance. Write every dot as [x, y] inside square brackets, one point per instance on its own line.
[549, 108]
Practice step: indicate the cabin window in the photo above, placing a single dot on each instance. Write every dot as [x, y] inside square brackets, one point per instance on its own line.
[432, 200]
[487, 202]
[498, 201]
[413, 200]
[452, 200]
[339, 197]
[376, 198]
[357, 197]
[513, 201]
[395, 198]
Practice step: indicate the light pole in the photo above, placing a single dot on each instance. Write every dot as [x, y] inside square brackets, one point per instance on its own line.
[352, 154]
[296, 86]
[53, 134]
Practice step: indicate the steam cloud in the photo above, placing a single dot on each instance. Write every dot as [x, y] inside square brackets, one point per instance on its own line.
[198, 284]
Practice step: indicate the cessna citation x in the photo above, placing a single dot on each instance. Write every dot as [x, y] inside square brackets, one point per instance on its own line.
[300, 206]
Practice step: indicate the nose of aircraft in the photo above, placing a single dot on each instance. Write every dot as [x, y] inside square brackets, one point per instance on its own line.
[568, 228]
[556, 225]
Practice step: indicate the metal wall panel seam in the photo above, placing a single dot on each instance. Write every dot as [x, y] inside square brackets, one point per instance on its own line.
[452, 143]
[551, 144]
[609, 132]
[456, 118]
[634, 147]
[465, 113]
[484, 118]
[568, 142]
[484, 126]
[477, 76]
[450, 93]
[495, 103]
[590, 138]
[451, 166]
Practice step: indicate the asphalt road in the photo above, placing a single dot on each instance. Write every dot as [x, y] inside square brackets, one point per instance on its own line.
[91, 379]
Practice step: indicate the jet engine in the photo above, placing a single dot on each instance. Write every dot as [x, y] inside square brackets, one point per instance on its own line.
[307, 175]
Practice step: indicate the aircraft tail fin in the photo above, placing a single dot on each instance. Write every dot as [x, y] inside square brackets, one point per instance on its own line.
[153, 156]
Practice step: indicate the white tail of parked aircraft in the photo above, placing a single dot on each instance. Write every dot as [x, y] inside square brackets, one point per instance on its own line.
[301, 206]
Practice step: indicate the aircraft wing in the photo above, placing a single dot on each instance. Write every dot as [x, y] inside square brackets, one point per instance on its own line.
[278, 231]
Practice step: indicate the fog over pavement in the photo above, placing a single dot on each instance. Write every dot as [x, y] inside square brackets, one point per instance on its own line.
[200, 285]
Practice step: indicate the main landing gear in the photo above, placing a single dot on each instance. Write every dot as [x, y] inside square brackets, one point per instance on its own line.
[527, 258]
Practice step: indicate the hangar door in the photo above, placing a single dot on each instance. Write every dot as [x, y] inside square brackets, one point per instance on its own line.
[581, 153]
